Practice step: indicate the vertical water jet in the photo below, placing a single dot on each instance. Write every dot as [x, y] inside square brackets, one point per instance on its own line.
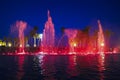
[101, 41]
[48, 34]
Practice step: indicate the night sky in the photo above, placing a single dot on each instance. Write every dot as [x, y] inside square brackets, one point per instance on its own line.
[68, 13]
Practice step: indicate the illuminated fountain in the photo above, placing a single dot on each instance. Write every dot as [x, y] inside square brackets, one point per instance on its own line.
[20, 26]
[77, 39]
[71, 34]
[48, 34]
[101, 42]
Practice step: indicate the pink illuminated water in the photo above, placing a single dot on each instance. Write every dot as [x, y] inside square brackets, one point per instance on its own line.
[21, 26]
[48, 39]
[48, 33]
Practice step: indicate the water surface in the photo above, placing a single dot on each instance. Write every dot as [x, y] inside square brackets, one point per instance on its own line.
[54, 67]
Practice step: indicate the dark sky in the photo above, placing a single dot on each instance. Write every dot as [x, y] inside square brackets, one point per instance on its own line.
[67, 13]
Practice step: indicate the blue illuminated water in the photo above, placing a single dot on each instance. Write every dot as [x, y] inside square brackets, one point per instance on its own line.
[54, 67]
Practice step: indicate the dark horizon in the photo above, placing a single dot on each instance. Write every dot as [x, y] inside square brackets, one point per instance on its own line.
[70, 14]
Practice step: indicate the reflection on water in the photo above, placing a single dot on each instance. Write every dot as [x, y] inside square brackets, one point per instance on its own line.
[71, 69]
[101, 61]
[47, 66]
[54, 67]
[20, 72]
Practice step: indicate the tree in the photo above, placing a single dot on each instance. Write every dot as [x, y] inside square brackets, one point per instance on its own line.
[62, 29]
[26, 40]
[33, 33]
[85, 36]
[107, 35]
[94, 39]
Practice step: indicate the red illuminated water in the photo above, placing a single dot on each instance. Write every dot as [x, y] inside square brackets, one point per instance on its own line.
[101, 41]
[71, 34]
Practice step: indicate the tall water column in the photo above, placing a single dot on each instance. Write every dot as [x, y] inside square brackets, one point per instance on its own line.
[48, 38]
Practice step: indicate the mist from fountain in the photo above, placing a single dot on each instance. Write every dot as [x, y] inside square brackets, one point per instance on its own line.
[71, 34]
